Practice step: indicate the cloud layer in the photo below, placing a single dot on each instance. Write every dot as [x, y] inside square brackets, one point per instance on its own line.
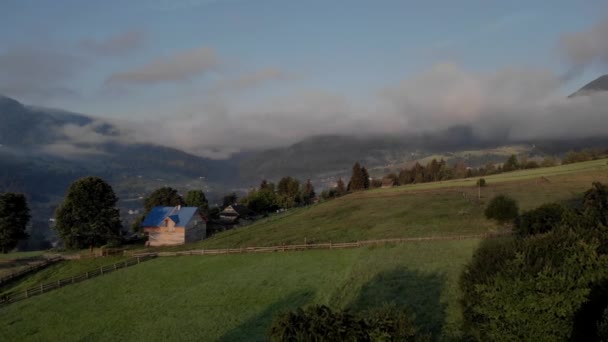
[586, 47]
[182, 66]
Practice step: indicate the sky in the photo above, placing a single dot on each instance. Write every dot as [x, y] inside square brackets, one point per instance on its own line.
[226, 75]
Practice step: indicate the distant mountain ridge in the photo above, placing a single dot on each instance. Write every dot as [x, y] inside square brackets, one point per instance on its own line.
[600, 84]
[26, 164]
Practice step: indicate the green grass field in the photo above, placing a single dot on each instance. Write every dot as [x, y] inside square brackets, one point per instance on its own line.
[234, 297]
[429, 209]
[58, 271]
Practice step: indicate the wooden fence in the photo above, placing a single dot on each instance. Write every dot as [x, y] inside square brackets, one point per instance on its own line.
[310, 246]
[42, 288]
[10, 277]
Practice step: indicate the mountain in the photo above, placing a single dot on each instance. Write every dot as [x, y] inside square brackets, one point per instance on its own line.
[598, 85]
[38, 158]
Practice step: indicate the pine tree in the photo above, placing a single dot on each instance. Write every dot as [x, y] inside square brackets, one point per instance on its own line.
[365, 178]
[357, 181]
[340, 188]
[308, 192]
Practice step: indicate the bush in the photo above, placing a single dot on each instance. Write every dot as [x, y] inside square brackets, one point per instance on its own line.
[481, 182]
[320, 323]
[529, 288]
[595, 202]
[502, 209]
[539, 220]
[602, 327]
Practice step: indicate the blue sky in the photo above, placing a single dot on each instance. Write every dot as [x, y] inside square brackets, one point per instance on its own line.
[91, 56]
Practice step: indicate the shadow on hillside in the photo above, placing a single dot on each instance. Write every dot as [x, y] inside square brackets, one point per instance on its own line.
[416, 292]
[256, 328]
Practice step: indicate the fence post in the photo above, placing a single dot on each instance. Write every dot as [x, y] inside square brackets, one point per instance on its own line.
[138, 260]
[101, 270]
[87, 274]
[27, 294]
[41, 288]
[72, 279]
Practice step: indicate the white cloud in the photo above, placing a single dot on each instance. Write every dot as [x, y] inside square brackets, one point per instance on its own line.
[182, 66]
[586, 47]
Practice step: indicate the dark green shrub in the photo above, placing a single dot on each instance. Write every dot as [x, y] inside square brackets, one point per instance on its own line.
[602, 327]
[529, 289]
[595, 202]
[320, 323]
[481, 182]
[502, 209]
[539, 220]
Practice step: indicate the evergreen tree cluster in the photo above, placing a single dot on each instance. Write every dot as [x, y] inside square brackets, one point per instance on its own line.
[288, 193]
[439, 170]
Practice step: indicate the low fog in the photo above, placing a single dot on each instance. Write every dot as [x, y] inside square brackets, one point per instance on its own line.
[512, 103]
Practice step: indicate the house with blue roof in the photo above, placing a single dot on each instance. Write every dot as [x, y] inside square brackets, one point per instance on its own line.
[174, 225]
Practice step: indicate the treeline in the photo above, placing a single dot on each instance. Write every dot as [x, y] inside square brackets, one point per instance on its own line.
[435, 171]
[584, 155]
[288, 193]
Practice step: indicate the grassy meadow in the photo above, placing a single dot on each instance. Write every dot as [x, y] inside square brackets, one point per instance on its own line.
[428, 209]
[234, 297]
[60, 270]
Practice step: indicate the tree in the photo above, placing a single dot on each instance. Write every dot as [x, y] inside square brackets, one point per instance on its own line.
[540, 220]
[548, 162]
[262, 200]
[340, 188]
[357, 178]
[165, 196]
[595, 202]
[365, 178]
[288, 192]
[196, 198]
[229, 199]
[88, 215]
[532, 287]
[14, 217]
[502, 209]
[417, 173]
[511, 164]
[308, 192]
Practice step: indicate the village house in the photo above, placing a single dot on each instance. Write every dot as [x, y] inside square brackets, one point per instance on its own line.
[174, 225]
[236, 213]
[388, 182]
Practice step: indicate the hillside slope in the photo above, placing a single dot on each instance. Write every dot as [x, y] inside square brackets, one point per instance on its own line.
[428, 209]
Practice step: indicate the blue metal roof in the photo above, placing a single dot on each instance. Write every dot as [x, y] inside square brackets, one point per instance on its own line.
[157, 215]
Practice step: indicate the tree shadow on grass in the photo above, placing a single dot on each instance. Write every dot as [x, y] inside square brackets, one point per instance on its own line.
[256, 328]
[416, 292]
